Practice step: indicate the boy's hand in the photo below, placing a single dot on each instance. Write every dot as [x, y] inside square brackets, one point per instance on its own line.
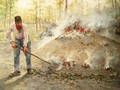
[25, 49]
[13, 44]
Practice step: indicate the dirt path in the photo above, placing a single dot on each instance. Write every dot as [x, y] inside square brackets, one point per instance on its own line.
[89, 81]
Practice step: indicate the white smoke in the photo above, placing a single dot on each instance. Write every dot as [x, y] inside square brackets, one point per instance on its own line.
[97, 20]
[96, 58]
[57, 31]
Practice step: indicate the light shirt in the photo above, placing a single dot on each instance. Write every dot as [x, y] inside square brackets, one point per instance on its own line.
[18, 34]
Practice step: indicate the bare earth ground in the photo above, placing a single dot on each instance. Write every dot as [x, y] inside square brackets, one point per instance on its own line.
[77, 78]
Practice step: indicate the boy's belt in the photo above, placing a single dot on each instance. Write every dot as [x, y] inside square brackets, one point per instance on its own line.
[19, 38]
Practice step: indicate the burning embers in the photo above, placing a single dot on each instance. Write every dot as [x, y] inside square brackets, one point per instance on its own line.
[59, 64]
[69, 65]
[77, 27]
[77, 31]
[85, 65]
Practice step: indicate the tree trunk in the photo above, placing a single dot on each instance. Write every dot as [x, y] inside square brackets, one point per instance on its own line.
[37, 15]
[112, 4]
[66, 7]
[99, 6]
[82, 7]
[115, 9]
[36, 21]
[6, 9]
[10, 7]
[59, 3]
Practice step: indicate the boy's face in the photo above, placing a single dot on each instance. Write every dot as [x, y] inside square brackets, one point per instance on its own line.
[18, 25]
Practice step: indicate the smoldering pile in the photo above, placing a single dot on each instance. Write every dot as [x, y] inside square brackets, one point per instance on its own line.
[79, 40]
[85, 48]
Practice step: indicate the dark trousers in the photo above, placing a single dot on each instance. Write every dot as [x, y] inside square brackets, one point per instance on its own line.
[19, 42]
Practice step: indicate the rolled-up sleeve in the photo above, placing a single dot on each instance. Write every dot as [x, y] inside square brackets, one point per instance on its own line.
[26, 33]
[8, 35]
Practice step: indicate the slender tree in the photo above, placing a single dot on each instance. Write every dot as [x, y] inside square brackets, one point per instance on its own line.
[99, 6]
[36, 7]
[10, 9]
[82, 7]
[115, 8]
[59, 7]
[6, 10]
[66, 7]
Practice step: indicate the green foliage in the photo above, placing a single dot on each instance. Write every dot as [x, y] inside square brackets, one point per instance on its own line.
[43, 12]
